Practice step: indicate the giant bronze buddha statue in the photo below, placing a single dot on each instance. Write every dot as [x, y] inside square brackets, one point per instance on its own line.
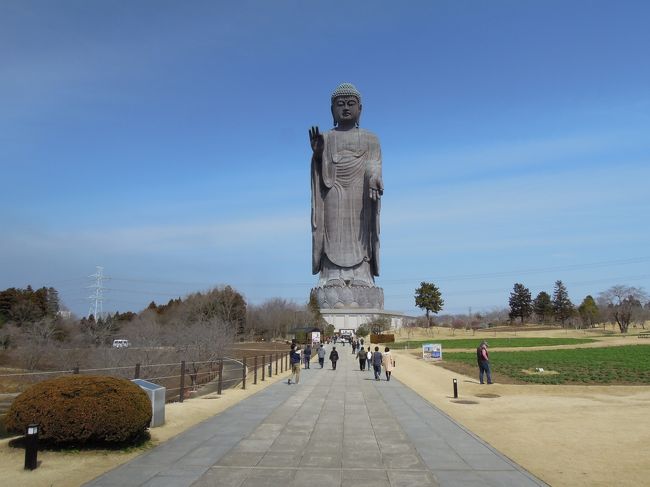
[346, 186]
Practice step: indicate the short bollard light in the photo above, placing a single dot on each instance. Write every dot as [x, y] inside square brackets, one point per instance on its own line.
[455, 389]
[270, 369]
[31, 447]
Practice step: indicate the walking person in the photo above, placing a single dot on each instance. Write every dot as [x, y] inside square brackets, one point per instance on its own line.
[334, 356]
[376, 363]
[483, 360]
[294, 359]
[307, 355]
[388, 362]
[369, 359]
[361, 355]
[321, 355]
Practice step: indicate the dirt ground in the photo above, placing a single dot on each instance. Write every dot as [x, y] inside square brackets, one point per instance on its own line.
[565, 435]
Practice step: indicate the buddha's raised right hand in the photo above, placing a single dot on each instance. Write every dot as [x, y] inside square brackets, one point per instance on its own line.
[316, 140]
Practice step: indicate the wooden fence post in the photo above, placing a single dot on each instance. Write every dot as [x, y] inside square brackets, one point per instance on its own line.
[243, 373]
[220, 383]
[255, 371]
[263, 366]
[182, 388]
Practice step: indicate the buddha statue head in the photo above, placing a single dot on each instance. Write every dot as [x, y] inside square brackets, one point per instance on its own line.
[346, 106]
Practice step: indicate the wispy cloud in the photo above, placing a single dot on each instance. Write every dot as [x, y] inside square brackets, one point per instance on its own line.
[241, 235]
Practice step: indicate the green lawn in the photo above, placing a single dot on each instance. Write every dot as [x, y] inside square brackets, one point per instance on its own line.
[614, 365]
[493, 342]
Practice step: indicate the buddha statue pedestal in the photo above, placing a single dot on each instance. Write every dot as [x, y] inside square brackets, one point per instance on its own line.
[349, 296]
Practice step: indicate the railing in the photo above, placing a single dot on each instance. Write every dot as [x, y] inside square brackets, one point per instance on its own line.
[181, 380]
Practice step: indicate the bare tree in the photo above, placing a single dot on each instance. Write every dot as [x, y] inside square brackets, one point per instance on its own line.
[275, 317]
[621, 302]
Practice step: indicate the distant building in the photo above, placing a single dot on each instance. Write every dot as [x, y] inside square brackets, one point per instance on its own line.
[353, 318]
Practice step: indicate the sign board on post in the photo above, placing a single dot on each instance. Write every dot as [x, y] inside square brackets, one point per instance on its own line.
[432, 351]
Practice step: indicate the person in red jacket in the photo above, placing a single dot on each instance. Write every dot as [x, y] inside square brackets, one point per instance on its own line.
[483, 360]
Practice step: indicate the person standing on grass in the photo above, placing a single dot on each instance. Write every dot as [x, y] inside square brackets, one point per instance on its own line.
[334, 356]
[361, 355]
[483, 360]
[388, 362]
[294, 358]
[307, 355]
[321, 355]
[376, 363]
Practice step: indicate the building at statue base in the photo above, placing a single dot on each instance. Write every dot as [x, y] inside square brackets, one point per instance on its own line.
[353, 318]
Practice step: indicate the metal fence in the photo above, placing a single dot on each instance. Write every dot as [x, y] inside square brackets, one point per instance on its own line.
[181, 379]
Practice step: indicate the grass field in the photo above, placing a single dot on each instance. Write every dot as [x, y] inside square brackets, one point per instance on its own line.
[614, 365]
[493, 342]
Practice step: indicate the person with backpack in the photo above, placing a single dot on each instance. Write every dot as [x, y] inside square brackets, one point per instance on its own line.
[483, 360]
[294, 359]
[334, 356]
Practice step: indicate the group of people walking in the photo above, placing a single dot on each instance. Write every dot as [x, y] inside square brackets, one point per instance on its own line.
[375, 360]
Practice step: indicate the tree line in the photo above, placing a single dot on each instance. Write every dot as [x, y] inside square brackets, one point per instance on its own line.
[200, 326]
[620, 304]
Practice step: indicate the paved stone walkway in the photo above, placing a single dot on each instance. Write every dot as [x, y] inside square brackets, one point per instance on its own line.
[335, 428]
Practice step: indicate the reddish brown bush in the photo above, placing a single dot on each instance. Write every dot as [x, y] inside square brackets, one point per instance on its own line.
[382, 338]
[78, 410]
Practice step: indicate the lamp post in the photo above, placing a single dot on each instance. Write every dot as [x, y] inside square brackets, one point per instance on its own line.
[31, 447]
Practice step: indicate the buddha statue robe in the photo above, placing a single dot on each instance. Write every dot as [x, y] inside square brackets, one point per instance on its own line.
[345, 220]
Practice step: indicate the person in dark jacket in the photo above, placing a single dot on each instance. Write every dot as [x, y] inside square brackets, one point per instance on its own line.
[334, 356]
[307, 355]
[294, 359]
[376, 363]
[361, 355]
[483, 360]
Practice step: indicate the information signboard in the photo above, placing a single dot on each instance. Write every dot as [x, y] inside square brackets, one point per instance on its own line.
[432, 351]
[315, 336]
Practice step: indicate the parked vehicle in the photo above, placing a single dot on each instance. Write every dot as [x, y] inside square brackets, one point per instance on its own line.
[121, 343]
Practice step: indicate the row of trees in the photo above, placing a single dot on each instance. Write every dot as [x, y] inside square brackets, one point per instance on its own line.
[620, 304]
[35, 334]
[22, 306]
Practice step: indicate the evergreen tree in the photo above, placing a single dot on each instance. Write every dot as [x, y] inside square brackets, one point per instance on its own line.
[589, 312]
[428, 297]
[520, 302]
[543, 306]
[314, 310]
[53, 305]
[563, 308]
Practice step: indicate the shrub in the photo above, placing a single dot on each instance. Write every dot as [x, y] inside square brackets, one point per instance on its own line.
[382, 338]
[82, 410]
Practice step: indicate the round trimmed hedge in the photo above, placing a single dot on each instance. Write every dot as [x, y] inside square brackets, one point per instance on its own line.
[79, 410]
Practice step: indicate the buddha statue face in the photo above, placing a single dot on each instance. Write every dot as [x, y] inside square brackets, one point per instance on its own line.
[346, 111]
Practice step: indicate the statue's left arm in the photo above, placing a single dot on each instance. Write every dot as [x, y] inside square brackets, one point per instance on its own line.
[376, 189]
[375, 182]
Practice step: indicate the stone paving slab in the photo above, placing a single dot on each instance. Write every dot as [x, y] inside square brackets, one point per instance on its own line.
[335, 428]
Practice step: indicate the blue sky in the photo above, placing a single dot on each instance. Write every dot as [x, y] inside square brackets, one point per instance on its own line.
[167, 142]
